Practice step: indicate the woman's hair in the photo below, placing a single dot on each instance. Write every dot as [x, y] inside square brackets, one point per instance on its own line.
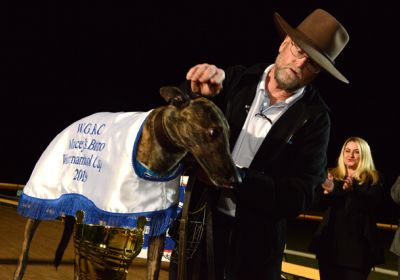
[365, 171]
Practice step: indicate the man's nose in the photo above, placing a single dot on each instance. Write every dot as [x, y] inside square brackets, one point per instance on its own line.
[302, 62]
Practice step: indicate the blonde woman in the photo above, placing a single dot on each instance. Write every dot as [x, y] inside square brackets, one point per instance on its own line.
[346, 243]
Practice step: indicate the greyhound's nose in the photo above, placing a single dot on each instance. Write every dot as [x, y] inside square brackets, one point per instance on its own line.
[233, 181]
[237, 178]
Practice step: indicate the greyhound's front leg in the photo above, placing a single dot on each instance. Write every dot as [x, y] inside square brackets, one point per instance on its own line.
[154, 254]
[30, 228]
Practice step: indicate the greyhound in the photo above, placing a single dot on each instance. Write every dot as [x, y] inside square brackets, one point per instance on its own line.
[185, 127]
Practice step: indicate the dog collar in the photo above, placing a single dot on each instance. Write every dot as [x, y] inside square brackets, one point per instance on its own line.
[143, 172]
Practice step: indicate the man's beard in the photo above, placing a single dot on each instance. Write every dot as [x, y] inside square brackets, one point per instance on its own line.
[284, 83]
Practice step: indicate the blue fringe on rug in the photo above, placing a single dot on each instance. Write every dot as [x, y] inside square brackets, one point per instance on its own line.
[69, 204]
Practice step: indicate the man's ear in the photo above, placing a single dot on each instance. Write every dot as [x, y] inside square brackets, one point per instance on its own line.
[286, 41]
[174, 96]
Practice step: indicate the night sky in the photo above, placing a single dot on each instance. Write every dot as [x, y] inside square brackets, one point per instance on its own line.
[63, 60]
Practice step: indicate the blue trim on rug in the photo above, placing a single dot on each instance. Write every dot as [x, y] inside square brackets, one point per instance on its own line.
[69, 204]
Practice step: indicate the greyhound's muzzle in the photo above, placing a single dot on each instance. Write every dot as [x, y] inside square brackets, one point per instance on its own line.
[233, 181]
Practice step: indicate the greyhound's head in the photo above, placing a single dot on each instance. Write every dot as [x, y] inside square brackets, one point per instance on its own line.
[198, 126]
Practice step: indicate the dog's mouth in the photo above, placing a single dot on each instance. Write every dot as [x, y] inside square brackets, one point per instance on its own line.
[232, 183]
[223, 174]
[227, 186]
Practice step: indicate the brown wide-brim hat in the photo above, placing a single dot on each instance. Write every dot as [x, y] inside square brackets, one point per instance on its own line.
[320, 36]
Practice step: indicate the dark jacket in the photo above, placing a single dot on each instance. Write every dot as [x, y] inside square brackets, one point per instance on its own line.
[348, 233]
[281, 180]
[395, 194]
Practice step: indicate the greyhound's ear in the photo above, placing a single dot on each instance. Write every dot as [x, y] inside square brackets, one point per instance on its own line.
[174, 96]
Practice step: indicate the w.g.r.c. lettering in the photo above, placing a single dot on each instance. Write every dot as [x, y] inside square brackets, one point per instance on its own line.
[91, 128]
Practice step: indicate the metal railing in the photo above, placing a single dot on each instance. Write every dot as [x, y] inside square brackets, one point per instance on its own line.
[10, 186]
[10, 199]
[319, 218]
[312, 256]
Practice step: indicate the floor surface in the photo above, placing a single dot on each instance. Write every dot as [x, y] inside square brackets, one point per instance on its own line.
[42, 251]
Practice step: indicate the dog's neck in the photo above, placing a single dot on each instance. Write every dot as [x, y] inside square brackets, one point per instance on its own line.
[155, 148]
[162, 136]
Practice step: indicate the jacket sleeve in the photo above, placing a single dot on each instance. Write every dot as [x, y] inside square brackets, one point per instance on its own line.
[367, 198]
[395, 191]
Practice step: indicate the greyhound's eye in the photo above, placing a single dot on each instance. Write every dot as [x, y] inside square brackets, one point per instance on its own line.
[213, 132]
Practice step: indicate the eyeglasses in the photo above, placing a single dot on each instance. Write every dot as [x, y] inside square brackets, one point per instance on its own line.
[311, 65]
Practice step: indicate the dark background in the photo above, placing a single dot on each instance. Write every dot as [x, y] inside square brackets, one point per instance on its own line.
[63, 60]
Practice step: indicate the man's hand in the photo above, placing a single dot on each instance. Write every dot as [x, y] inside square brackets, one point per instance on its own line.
[206, 79]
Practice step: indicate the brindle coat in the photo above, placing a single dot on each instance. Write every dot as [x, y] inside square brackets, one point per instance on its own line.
[194, 126]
